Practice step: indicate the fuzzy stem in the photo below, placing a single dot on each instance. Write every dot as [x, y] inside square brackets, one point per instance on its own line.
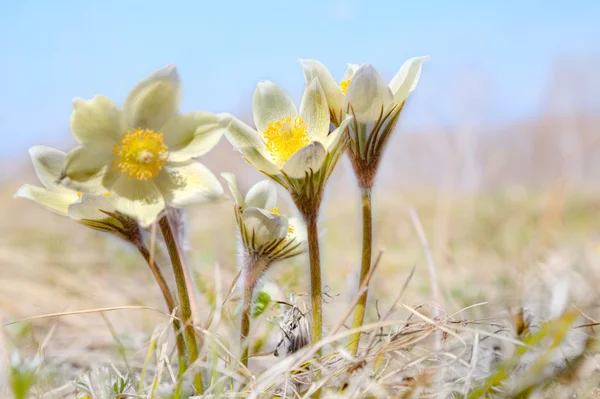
[175, 217]
[254, 268]
[162, 283]
[245, 330]
[184, 299]
[367, 222]
[316, 289]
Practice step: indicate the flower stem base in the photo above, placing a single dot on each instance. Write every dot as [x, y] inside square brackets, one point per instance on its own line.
[316, 292]
[184, 299]
[367, 222]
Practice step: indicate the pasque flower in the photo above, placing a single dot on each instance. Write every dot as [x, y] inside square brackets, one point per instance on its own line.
[363, 89]
[143, 154]
[266, 235]
[376, 107]
[264, 231]
[94, 211]
[288, 142]
[297, 150]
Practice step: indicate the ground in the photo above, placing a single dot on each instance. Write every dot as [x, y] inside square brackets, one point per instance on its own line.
[495, 251]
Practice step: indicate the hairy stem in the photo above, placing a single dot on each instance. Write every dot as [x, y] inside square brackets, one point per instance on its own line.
[316, 289]
[175, 216]
[162, 283]
[254, 268]
[245, 330]
[367, 222]
[182, 294]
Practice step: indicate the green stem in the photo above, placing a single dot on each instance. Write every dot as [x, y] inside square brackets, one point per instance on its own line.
[245, 327]
[182, 294]
[316, 289]
[162, 283]
[359, 313]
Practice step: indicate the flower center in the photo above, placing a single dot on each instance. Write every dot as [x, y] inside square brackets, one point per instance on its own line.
[285, 137]
[141, 154]
[344, 85]
[290, 227]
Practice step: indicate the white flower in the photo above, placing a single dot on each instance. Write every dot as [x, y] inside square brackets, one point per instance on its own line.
[143, 154]
[261, 224]
[362, 90]
[375, 106]
[48, 163]
[289, 141]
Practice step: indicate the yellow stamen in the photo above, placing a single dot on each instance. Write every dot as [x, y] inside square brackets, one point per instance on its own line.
[276, 211]
[285, 137]
[141, 154]
[107, 194]
[344, 85]
[79, 195]
[290, 230]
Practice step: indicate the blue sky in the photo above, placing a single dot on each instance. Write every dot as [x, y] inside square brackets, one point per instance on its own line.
[53, 51]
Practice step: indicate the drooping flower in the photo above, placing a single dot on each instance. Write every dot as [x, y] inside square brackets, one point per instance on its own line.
[95, 211]
[143, 154]
[374, 104]
[288, 142]
[264, 231]
[266, 236]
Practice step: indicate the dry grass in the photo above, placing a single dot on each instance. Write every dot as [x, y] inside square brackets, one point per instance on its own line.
[511, 311]
[492, 253]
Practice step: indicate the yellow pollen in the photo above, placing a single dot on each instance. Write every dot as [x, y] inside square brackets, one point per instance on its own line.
[284, 137]
[290, 230]
[344, 85]
[107, 194]
[79, 195]
[141, 154]
[276, 211]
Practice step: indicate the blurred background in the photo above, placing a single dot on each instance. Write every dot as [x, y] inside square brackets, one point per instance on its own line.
[509, 96]
[498, 149]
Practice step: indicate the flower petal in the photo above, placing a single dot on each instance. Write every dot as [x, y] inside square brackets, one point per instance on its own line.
[233, 188]
[193, 134]
[188, 183]
[332, 140]
[241, 135]
[139, 199]
[48, 164]
[258, 160]
[306, 158]
[407, 78]
[350, 71]
[89, 207]
[56, 201]
[368, 94]
[154, 100]
[85, 169]
[266, 226]
[314, 111]
[297, 230]
[314, 69]
[271, 103]
[97, 123]
[262, 195]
